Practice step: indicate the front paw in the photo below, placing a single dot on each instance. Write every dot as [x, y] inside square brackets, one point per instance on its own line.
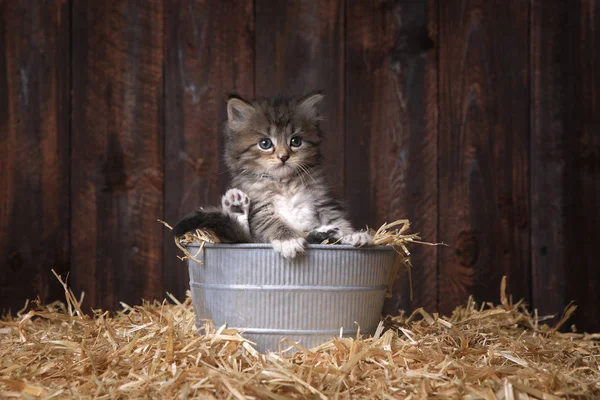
[289, 248]
[358, 239]
[235, 202]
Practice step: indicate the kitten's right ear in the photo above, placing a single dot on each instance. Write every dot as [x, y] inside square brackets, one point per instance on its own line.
[308, 105]
[238, 112]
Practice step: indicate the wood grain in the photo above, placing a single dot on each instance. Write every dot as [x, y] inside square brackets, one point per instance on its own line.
[582, 162]
[34, 150]
[391, 119]
[117, 151]
[299, 49]
[363, 41]
[548, 138]
[484, 149]
[110, 114]
[210, 53]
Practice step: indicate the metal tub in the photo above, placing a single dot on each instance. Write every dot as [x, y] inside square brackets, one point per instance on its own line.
[251, 288]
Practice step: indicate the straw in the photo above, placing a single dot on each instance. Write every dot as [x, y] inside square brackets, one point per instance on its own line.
[154, 350]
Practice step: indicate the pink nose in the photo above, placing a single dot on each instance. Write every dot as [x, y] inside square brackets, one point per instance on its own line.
[283, 157]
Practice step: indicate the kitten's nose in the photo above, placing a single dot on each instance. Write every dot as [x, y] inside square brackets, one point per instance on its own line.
[283, 157]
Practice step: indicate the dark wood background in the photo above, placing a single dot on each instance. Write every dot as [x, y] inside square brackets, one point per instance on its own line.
[477, 120]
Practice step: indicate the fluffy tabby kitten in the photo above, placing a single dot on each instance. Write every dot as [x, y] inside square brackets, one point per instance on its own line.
[272, 152]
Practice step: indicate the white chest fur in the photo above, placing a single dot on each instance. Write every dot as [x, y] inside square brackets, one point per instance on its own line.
[297, 210]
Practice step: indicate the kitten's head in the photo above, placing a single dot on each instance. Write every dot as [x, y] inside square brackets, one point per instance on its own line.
[279, 137]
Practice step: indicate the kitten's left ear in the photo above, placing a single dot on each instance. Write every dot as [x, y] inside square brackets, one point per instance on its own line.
[308, 105]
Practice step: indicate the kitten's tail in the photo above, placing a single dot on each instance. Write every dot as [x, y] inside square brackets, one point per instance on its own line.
[226, 228]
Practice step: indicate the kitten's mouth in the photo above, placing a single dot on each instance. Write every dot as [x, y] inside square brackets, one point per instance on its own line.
[281, 171]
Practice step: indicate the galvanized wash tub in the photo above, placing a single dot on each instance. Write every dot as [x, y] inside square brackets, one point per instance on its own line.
[251, 288]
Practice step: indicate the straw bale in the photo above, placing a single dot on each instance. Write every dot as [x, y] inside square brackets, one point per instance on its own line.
[154, 350]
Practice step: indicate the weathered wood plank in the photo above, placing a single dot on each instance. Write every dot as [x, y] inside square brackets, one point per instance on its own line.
[363, 48]
[300, 48]
[582, 162]
[391, 119]
[549, 44]
[117, 151]
[34, 150]
[210, 52]
[484, 149]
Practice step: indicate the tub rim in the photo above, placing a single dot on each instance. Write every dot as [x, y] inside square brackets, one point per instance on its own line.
[335, 247]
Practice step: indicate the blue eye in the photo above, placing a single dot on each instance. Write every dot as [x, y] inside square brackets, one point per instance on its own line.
[265, 144]
[296, 141]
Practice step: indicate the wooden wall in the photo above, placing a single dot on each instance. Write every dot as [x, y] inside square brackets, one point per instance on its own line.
[477, 120]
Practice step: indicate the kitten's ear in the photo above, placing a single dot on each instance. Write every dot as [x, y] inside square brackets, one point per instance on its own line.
[308, 105]
[238, 112]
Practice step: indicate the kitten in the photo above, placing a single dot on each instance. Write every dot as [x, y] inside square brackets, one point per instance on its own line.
[272, 152]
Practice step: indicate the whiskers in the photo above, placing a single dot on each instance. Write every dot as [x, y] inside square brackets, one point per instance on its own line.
[299, 173]
[306, 171]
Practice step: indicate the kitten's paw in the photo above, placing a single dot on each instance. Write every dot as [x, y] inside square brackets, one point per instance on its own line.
[289, 248]
[235, 202]
[358, 239]
[331, 233]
